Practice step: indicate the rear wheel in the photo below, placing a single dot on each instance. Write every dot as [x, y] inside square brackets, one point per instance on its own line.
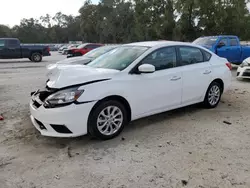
[107, 120]
[36, 57]
[213, 95]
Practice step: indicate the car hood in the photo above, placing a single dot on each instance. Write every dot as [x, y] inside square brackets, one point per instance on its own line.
[68, 75]
[69, 61]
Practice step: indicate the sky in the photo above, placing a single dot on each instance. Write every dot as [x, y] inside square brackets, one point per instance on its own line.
[12, 11]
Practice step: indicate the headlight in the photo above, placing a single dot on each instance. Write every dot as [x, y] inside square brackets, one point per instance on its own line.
[64, 97]
[244, 64]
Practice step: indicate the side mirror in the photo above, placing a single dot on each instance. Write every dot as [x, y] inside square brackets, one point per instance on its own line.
[146, 68]
[221, 44]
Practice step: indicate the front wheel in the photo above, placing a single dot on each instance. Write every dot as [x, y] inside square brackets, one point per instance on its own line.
[36, 57]
[213, 95]
[107, 120]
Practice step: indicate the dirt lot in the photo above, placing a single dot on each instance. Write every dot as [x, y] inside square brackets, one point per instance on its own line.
[190, 147]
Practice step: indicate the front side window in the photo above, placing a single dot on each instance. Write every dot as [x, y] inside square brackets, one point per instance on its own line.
[190, 55]
[118, 58]
[2, 43]
[223, 41]
[163, 58]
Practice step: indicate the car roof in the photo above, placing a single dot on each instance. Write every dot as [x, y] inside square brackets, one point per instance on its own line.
[219, 36]
[156, 43]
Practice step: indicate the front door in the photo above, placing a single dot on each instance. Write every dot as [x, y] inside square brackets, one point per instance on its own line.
[159, 91]
[223, 51]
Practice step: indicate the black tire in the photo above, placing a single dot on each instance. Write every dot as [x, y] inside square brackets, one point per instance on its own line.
[208, 102]
[95, 113]
[36, 57]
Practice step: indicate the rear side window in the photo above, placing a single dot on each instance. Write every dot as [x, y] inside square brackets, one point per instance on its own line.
[190, 55]
[233, 42]
[12, 43]
[207, 55]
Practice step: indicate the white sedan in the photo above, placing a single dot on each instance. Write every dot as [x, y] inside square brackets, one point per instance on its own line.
[130, 82]
[243, 70]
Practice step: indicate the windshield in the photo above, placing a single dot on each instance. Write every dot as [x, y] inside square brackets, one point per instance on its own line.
[206, 41]
[99, 51]
[81, 46]
[119, 58]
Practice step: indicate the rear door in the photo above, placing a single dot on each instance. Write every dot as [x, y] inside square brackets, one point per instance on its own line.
[13, 49]
[235, 50]
[196, 73]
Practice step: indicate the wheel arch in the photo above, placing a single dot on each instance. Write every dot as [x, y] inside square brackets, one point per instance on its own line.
[219, 81]
[118, 98]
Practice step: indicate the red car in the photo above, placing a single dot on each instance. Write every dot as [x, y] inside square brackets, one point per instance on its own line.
[83, 49]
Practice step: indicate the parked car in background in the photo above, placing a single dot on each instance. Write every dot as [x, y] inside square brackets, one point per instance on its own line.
[227, 46]
[81, 60]
[72, 46]
[83, 49]
[62, 48]
[10, 48]
[243, 70]
[53, 48]
[130, 82]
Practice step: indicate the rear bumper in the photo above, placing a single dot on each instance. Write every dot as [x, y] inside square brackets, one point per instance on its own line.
[47, 54]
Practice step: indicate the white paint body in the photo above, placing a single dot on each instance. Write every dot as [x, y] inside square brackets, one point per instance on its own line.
[244, 71]
[147, 94]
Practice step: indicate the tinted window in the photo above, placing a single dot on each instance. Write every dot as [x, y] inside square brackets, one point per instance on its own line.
[2, 43]
[190, 55]
[164, 58]
[233, 42]
[12, 43]
[207, 56]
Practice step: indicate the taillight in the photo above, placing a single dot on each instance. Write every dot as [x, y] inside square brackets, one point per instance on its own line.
[48, 49]
[229, 66]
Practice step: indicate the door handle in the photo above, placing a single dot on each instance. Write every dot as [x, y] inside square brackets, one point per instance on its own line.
[207, 72]
[175, 78]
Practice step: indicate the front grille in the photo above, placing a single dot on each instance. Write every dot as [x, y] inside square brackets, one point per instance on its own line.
[41, 126]
[61, 129]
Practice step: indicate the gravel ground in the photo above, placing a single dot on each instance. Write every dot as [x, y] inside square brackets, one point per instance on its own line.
[189, 147]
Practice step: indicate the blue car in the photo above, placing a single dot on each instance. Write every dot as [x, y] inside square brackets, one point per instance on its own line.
[227, 46]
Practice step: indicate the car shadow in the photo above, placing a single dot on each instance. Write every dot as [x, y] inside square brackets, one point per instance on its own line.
[136, 128]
